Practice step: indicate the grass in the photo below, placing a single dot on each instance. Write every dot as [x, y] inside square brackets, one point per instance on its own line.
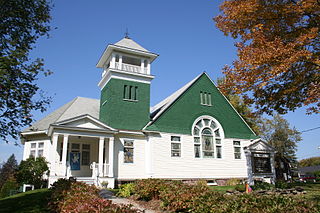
[312, 189]
[31, 201]
[222, 189]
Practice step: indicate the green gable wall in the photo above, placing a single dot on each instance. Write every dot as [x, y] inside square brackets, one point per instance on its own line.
[124, 114]
[179, 117]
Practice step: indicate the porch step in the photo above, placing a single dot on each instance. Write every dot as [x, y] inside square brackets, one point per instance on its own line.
[87, 180]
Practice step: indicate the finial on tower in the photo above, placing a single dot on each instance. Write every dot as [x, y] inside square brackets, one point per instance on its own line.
[126, 35]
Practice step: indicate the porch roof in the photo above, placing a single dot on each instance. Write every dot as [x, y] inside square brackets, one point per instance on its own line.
[77, 107]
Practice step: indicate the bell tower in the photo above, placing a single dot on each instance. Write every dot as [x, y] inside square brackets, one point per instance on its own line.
[125, 85]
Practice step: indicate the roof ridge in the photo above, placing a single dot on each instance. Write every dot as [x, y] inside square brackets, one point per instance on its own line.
[71, 102]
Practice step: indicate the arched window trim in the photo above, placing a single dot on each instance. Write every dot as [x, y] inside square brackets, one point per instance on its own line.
[198, 126]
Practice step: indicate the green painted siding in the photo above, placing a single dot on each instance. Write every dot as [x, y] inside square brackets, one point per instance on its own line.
[125, 114]
[179, 117]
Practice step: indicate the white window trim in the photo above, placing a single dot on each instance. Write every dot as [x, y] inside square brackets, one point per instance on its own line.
[238, 146]
[36, 149]
[178, 142]
[221, 132]
[133, 147]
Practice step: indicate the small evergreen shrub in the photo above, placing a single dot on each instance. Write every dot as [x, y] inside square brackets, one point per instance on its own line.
[126, 190]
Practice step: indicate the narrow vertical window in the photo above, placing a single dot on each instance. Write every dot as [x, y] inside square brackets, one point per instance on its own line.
[197, 151]
[125, 92]
[207, 143]
[85, 154]
[209, 99]
[175, 146]
[130, 93]
[33, 150]
[205, 99]
[237, 149]
[40, 149]
[128, 151]
[135, 93]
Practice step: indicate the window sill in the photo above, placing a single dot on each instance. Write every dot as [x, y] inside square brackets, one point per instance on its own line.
[130, 100]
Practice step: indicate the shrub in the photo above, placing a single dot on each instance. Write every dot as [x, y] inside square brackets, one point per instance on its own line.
[233, 182]
[10, 185]
[178, 197]
[75, 197]
[126, 190]
[148, 189]
[104, 184]
[240, 188]
[282, 185]
[31, 171]
[259, 185]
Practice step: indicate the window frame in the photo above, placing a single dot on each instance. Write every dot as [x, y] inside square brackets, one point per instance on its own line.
[198, 127]
[130, 93]
[128, 147]
[205, 98]
[178, 142]
[237, 146]
[36, 149]
[85, 150]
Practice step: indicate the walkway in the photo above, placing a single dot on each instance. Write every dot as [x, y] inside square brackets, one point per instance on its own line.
[119, 200]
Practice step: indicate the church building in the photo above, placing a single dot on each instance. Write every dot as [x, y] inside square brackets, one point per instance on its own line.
[195, 133]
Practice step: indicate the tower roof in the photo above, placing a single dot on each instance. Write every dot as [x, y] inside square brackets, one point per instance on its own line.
[129, 43]
[125, 45]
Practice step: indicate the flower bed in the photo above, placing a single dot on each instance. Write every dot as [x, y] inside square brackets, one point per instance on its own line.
[75, 197]
[176, 196]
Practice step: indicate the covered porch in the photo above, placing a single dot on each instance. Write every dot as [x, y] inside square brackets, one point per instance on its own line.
[83, 150]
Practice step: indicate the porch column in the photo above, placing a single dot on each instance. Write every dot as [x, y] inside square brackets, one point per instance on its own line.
[142, 66]
[64, 154]
[111, 153]
[53, 161]
[101, 145]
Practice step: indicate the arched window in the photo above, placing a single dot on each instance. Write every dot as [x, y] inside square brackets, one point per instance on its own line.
[207, 139]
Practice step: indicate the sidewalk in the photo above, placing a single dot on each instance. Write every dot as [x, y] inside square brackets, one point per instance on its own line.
[119, 200]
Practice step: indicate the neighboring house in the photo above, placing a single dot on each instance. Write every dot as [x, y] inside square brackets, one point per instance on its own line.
[308, 171]
[193, 134]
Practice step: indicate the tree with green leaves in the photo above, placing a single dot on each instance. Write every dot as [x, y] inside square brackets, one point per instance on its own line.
[278, 133]
[22, 22]
[8, 170]
[32, 170]
[313, 161]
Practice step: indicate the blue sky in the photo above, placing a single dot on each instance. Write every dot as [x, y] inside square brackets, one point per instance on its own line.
[181, 32]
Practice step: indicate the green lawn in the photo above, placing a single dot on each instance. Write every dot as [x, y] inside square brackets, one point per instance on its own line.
[32, 201]
[222, 189]
[312, 189]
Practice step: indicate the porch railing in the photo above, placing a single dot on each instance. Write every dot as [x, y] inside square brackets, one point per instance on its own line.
[95, 169]
[130, 68]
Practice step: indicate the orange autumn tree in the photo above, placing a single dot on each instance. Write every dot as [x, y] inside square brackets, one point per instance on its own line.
[278, 45]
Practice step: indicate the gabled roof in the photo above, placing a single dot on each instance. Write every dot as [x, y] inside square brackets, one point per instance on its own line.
[129, 43]
[76, 107]
[259, 145]
[158, 109]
